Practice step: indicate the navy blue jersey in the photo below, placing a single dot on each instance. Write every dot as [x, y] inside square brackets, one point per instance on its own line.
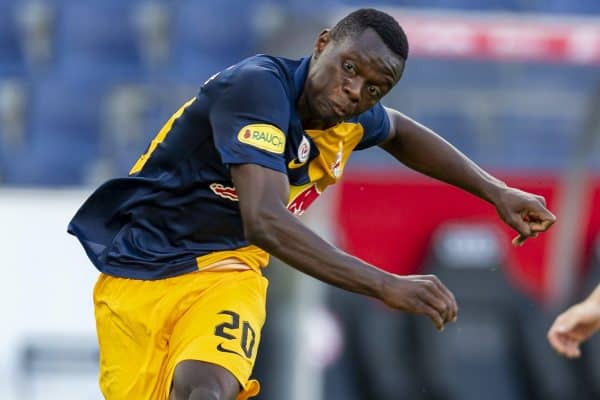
[178, 211]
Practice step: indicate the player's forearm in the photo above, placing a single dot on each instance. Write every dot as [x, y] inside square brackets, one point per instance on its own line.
[424, 151]
[594, 297]
[286, 238]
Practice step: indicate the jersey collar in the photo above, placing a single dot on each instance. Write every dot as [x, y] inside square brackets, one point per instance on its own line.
[300, 76]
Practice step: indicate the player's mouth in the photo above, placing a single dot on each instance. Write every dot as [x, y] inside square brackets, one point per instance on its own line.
[337, 110]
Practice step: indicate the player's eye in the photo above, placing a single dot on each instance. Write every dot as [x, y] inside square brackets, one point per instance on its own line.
[374, 91]
[349, 67]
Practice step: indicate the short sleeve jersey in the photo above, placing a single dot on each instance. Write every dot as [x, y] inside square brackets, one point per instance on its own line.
[178, 211]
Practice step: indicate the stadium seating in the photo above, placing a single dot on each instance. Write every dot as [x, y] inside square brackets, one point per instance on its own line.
[497, 5]
[583, 7]
[98, 39]
[211, 35]
[11, 50]
[64, 137]
[114, 44]
[13, 121]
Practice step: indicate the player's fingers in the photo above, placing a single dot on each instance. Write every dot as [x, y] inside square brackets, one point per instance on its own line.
[436, 299]
[540, 226]
[573, 348]
[543, 217]
[575, 353]
[449, 298]
[435, 295]
[569, 347]
[541, 199]
[535, 228]
[565, 322]
[531, 222]
[554, 338]
[517, 222]
[433, 315]
[519, 240]
[562, 334]
[563, 344]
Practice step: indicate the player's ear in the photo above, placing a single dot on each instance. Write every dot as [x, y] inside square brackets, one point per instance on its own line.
[322, 40]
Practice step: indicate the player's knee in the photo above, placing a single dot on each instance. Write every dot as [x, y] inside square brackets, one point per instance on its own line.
[195, 380]
[201, 389]
[201, 393]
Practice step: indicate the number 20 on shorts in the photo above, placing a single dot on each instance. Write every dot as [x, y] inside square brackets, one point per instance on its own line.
[232, 330]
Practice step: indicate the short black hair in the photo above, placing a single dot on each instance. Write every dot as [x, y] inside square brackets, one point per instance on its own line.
[384, 24]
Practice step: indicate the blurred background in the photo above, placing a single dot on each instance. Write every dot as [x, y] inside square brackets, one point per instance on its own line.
[515, 84]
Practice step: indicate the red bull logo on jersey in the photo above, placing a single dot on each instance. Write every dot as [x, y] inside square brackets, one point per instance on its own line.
[263, 136]
[303, 200]
[225, 192]
[336, 167]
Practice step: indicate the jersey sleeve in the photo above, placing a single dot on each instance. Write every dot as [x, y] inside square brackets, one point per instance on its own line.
[250, 117]
[376, 126]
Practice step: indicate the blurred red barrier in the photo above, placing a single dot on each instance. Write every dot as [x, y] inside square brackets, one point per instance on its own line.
[388, 219]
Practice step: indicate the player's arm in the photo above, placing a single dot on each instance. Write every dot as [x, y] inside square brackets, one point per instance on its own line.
[263, 195]
[576, 325]
[424, 151]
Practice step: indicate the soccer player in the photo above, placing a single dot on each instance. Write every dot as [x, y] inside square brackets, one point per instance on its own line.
[576, 325]
[181, 241]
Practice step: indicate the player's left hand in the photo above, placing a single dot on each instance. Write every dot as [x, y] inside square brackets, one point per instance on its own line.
[524, 212]
[573, 327]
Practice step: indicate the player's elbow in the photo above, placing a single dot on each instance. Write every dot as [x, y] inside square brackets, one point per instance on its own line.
[260, 229]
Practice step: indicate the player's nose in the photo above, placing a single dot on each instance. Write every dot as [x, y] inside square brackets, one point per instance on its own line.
[351, 89]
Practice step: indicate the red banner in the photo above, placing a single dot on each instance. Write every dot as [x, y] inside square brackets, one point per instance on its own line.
[501, 36]
[389, 219]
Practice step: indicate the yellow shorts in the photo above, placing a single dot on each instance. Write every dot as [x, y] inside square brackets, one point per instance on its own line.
[145, 328]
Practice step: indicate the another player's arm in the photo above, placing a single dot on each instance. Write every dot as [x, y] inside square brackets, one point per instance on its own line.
[576, 325]
[263, 195]
[424, 151]
[595, 296]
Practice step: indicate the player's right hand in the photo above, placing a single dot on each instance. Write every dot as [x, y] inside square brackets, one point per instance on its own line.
[421, 294]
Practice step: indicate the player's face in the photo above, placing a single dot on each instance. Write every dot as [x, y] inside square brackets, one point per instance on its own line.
[348, 77]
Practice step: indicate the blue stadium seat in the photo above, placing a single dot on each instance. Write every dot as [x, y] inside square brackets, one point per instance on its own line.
[11, 52]
[211, 35]
[444, 73]
[529, 143]
[476, 5]
[64, 135]
[571, 7]
[14, 101]
[472, 5]
[455, 128]
[98, 39]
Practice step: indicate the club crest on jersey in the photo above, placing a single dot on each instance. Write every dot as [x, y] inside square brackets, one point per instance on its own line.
[303, 150]
[263, 136]
[303, 153]
[225, 192]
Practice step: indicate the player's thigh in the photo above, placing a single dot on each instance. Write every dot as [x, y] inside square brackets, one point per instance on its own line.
[200, 380]
[223, 327]
[133, 348]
